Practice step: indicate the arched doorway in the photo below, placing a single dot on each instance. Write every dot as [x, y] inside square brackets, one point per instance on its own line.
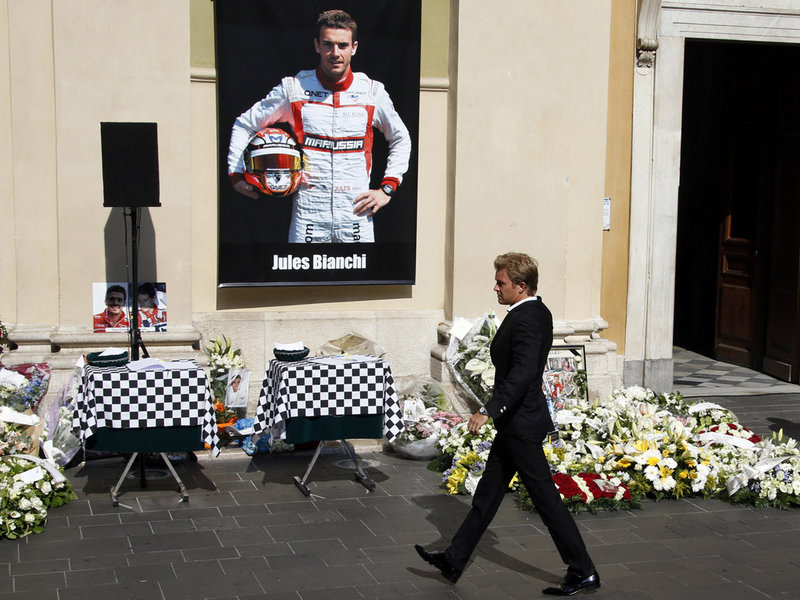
[738, 248]
[658, 127]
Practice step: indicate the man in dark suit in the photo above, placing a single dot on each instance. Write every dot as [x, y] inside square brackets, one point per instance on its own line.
[519, 409]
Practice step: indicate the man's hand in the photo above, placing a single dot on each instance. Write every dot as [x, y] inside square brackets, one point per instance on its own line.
[370, 202]
[477, 421]
[245, 189]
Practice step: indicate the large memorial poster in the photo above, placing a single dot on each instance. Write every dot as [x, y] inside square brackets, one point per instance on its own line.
[286, 125]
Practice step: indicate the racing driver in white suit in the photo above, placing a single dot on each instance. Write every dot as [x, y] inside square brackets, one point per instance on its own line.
[332, 111]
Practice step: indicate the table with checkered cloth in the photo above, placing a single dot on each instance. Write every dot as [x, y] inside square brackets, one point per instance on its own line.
[313, 389]
[119, 398]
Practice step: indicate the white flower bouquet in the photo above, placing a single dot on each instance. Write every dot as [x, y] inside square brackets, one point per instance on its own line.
[60, 440]
[222, 358]
[468, 357]
[27, 491]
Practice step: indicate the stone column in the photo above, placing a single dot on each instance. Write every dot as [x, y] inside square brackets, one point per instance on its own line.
[658, 87]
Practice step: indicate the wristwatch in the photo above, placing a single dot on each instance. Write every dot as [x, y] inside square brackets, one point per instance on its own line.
[482, 410]
[387, 189]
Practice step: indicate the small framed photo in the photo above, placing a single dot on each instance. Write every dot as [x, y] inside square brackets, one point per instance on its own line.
[236, 388]
[112, 303]
[566, 366]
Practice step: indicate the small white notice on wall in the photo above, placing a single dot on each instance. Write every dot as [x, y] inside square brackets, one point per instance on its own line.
[606, 214]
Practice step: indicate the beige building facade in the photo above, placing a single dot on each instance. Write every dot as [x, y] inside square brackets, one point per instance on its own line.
[531, 113]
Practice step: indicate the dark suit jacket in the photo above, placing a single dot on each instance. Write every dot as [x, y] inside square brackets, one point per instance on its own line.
[519, 353]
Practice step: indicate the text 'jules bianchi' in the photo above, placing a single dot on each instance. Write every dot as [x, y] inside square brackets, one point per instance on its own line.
[318, 262]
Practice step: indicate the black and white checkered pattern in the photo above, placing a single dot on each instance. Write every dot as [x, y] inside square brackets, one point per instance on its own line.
[312, 389]
[119, 398]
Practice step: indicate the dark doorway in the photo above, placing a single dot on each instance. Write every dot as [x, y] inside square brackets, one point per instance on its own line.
[737, 291]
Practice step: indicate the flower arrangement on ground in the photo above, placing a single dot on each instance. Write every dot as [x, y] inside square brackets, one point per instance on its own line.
[465, 455]
[657, 446]
[426, 417]
[27, 491]
[587, 491]
[22, 387]
[644, 440]
[772, 475]
[28, 486]
[430, 424]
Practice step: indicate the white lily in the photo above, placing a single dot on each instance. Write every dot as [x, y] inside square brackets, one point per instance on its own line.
[476, 366]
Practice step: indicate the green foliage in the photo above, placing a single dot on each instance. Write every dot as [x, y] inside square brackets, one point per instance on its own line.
[581, 383]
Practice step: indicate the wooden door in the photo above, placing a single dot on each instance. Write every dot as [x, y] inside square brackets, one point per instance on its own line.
[739, 321]
[782, 332]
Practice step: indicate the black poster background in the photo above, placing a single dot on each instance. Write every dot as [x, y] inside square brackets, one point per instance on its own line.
[258, 43]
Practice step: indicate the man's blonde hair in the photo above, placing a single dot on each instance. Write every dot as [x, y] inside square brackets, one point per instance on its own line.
[521, 268]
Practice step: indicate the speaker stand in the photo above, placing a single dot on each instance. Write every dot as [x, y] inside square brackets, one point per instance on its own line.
[135, 333]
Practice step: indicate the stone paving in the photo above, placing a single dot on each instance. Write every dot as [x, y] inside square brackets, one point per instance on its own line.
[696, 375]
[247, 532]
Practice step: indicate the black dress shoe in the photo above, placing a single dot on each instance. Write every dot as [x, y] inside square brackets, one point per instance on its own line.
[573, 583]
[438, 560]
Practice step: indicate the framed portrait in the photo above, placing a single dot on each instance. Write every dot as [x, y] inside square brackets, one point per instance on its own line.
[566, 366]
[236, 388]
[348, 135]
[112, 304]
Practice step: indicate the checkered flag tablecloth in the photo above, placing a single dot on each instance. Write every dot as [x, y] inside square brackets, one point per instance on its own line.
[309, 388]
[119, 398]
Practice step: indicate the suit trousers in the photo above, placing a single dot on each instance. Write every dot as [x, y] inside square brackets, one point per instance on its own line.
[522, 454]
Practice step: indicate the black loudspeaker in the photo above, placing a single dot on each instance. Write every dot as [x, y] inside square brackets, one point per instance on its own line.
[130, 164]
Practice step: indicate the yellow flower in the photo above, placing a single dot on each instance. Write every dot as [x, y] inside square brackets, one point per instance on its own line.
[683, 474]
[601, 459]
[640, 445]
[692, 474]
[514, 481]
[471, 456]
[457, 477]
[624, 462]
[653, 460]
[664, 471]
[691, 463]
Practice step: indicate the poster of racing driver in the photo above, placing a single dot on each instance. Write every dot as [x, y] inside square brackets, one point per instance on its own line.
[321, 107]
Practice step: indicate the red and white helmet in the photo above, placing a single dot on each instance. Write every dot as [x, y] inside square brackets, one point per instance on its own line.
[272, 162]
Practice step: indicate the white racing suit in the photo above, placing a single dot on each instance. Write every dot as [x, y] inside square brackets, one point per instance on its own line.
[335, 130]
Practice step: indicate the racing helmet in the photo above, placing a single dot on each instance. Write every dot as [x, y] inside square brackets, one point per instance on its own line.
[272, 162]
